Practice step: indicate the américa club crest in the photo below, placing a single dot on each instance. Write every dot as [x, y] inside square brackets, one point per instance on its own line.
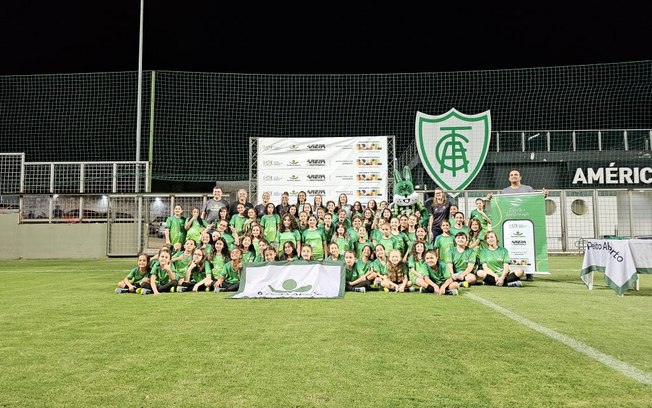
[453, 146]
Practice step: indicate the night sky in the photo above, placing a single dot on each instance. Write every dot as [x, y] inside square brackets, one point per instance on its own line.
[72, 36]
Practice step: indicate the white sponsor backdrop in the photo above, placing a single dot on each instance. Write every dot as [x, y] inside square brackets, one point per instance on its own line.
[356, 166]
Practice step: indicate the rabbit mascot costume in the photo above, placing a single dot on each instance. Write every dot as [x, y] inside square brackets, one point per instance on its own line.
[406, 200]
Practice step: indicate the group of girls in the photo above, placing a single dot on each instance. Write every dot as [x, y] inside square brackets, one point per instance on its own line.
[380, 250]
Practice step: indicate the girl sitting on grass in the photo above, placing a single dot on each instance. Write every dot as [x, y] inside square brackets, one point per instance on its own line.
[356, 280]
[229, 279]
[137, 276]
[396, 278]
[198, 274]
[495, 265]
[162, 278]
[436, 276]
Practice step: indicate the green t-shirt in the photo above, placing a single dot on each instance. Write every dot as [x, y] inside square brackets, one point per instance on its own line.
[444, 244]
[460, 260]
[315, 238]
[161, 275]
[270, 225]
[363, 267]
[343, 244]
[177, 229]
[181, 265]
[230, 274]
[197, 274]
[248, 256]
[359, 246]
[136, 275]
[329, 232]
[353, 234]
[416, 269]
[483, 221]
[402, 242]
[219, 261]
[288, 236]
[438, 275]
[351, 274]
[238, 222]
[230, 241]
[388, 244]
[379, 267]
[464, 229]
[495, 259]
[481, 245]
[195, 230]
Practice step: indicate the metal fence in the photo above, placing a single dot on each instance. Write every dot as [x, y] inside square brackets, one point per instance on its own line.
[134, 221]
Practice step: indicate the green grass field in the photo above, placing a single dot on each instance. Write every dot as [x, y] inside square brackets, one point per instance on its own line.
[68, 340]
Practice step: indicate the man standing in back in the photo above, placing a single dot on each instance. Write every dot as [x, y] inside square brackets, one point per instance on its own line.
[209, 212]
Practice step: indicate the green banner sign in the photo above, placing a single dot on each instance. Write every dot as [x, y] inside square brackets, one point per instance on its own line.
[519, 220]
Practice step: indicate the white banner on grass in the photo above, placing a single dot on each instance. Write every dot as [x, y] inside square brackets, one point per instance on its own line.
[355, 166]
[297, 279]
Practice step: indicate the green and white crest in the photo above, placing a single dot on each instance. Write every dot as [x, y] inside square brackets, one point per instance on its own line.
[453, 146]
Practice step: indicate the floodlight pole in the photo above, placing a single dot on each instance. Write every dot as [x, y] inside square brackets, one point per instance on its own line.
[139, 109]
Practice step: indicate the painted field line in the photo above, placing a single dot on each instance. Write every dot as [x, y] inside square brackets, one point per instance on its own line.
[632, 372]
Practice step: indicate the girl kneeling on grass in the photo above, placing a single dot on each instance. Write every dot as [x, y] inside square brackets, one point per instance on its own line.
[495, 265]
[229, 279]
[162, 278]
[437, 277]
[136, 277]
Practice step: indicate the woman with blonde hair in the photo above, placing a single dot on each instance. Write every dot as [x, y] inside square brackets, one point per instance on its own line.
[439, 211]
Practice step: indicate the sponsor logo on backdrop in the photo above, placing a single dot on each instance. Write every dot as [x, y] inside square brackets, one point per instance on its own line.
[293, 148]
[368, 192]
[369, 177]
[369, 161]
[316, 192]
[293, 163]
[316, 177]
[272, 163]
[316, 147]
[453, 146]
[368, 146]
[316, 163]
[294, 178]
[272, 178]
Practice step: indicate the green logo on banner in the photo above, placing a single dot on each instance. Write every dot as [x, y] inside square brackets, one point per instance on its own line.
[453, 146]
[290, 285]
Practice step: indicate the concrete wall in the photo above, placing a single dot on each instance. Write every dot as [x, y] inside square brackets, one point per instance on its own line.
[43, 241]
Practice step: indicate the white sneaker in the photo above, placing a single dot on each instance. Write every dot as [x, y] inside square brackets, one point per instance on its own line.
[361, 290]
[452, 292]
[515, 284]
